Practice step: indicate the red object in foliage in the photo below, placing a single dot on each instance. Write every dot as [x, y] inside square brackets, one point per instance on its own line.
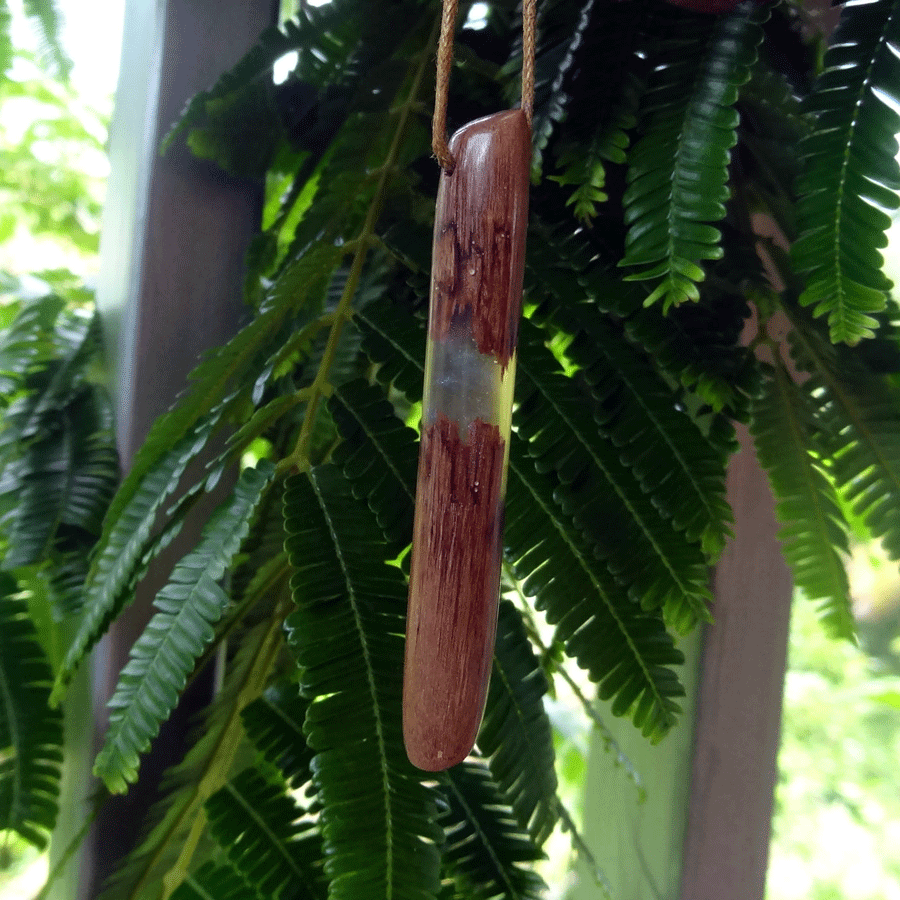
[714, 7]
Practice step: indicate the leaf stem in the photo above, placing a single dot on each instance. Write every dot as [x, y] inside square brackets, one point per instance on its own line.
[320, 387]
[227, 745]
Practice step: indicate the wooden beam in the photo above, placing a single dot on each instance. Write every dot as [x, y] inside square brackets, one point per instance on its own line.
[175, 233]
[738, 722]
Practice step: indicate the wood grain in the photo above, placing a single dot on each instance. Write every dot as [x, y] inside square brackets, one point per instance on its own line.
[479, 233]
[454, 589]
[739, 706]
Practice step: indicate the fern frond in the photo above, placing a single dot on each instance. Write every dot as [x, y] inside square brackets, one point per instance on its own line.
[27, 342]
[815, 530]
[213, 882]
[858, 431]
[47, 18]
[487, 853]
[639, 412]
[515, 735]
[266, 836]
[218, 386]
[627, 651]
[377, 816]
[161, 861]
[378, 455]
[77, 344]
[661, 568]
[274, 725]
[311, 32]
[67, 478]
[393, 339]
[561, 27]
[696, 345]
[606, 83]
[678, 170]
[123, 546]
[165, 654]
[31, 733]
[850, 173]
[773, 124]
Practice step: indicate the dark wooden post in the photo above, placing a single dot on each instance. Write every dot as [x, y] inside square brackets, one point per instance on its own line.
[738, 720]
[175, 233]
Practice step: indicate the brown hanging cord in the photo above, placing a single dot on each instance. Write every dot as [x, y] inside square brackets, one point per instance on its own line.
[439, 143]
[529, 26]
[442, 88]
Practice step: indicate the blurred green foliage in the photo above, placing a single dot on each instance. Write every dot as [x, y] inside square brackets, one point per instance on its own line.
[836, 833]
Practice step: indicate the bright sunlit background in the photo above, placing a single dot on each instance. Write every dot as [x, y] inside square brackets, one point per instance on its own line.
[837, 826]
[45, 119]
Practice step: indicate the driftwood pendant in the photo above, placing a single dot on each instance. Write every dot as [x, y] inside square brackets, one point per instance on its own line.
[476, 297]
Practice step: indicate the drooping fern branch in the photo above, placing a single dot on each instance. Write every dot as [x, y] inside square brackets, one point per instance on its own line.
[346, 635]
[678, 170]
[31, 733]
[815, 531]
[850, 173]
[486, 848]
[189, 607]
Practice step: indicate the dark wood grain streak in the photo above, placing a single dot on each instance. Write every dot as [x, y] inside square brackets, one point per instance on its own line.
[479, 233]
[454, 589]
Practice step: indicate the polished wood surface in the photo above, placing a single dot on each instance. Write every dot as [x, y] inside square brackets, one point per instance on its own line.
[454, 585]
[479, 233]
[476, 296]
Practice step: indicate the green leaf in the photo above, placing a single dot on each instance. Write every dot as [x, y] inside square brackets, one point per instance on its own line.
[165, 654]
[31, 733]
[815, 531]
[378, 456]
[67, 478]
[858, 431]
[48, 20]
[266, 837]
[126, 536]
[213, 882]
[850, 173]
[626, 650]
[377, 816]
[678, 170]
[218, 386]
[515, 735]
[274, 725]
[660, 567]
[27, 347]
[154, 866]
[487, 853]
[641, 414]
[561, 32]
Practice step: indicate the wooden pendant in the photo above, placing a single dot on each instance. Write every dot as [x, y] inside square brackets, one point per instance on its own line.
[476, 297]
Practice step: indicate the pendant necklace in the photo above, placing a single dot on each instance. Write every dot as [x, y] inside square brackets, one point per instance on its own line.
[475, 304]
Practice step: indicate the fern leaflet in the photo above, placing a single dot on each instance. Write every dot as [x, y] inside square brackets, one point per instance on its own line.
[266, 837]
[850, 173]
[515, 734]
[31, 733]
[165, 654]
[670, 210]
[815, 531]
[487, 853]
[347, 635]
